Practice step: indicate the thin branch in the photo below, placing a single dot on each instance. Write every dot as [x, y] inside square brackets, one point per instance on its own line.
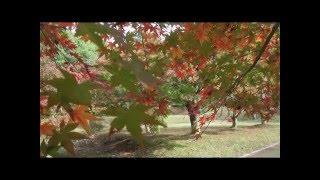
[246, 54]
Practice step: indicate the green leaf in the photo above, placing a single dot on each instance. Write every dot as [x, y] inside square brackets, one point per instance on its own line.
[190, 40]
[68, 145]
[159, 68]
[112, 111]
[186, 89]
[205, 49]
[91, 29]
[114, 56]
[43, 146]
[129, 36]
[118, 123]
[70, 127]
[172, 39]
[53, 99]
[90, 85]
[52, 150]
[113, 69]
[67, 76]
[132, 119]
[138, 68]
[76, 135]
[133, 126]
[68, 91]
[125, 78]
[154, 121]
[54, 140]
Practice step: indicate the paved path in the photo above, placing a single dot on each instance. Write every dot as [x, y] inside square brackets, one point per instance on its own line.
[271, 151]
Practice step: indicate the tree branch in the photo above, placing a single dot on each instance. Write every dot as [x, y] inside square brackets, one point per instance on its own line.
[240, 78]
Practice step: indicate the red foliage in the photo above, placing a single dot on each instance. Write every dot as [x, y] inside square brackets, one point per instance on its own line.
[267, 100]
[201, 120]
[163, 107]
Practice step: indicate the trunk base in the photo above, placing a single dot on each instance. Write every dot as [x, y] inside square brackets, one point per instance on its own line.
[195, 128]
[234, 123]
[194, 124]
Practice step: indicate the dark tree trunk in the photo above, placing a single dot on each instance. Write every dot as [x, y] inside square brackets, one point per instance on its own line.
[147, 129]
[234, 122]
[263, 122]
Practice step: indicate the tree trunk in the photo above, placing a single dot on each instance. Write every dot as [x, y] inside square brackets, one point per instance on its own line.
[254, 116]
[147, 129]
[262, 121]
[194, 124]
[195, 128]
[234, 122]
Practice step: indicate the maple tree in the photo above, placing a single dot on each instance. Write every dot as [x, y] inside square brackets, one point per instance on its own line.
[142, 68]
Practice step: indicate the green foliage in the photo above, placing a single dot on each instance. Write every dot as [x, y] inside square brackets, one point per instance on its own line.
[138, 68]
[125, 78]
[69, 91]
[86, 50]
[63, 56]
[132, 120]
[172, 39]
[159, 66]
[179, 91]
[155, 129]
[92, 29]
[205, 49]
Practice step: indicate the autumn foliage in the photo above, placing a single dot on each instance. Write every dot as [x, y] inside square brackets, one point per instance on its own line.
[136, 61]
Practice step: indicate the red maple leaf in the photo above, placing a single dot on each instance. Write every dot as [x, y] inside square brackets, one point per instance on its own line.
[189, 72]
[202, 120]
[267, 100]
[151, 88]
[212, 116]
[149, 101]
[179, 74]
[163, 106]
[47, 129]
[201, 33]
[92, 75]
[80, 115]
[72, 46]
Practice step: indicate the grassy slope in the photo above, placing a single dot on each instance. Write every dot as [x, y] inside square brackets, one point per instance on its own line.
[218, 140]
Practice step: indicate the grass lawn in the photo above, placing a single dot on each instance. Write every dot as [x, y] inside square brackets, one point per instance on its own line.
[217, 141]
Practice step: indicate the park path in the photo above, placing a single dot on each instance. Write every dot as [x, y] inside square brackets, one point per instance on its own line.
[270, 151]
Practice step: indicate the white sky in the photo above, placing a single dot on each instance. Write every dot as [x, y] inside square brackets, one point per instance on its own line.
[130, 29]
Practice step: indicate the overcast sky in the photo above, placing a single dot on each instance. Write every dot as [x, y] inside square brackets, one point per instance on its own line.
[130, 29]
